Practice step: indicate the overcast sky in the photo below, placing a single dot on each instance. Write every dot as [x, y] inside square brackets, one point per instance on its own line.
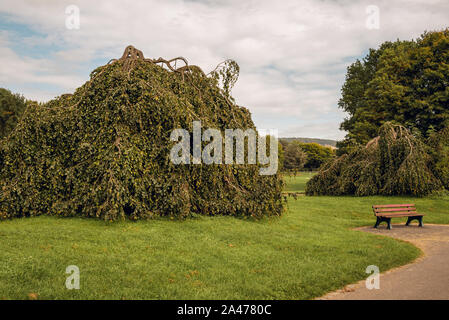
[292, 54]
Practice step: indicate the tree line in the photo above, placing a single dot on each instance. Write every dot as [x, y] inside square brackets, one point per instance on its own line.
[296, 156]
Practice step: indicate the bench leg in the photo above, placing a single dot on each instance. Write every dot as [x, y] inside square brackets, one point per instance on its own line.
[420, 221]
[410, 219]
[378, 221]
[382, 219]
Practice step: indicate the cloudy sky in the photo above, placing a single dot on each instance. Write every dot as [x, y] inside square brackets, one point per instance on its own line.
[292, 54]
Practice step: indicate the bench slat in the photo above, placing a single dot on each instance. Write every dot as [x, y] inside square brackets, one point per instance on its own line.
[398, 214]
[392, 205]
[394, 212]
[405, 215]
[396, 209]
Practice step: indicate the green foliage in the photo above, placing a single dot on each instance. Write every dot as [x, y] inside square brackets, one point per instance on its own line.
[104, 151]
[439, 143]
[394, 163]
[294, 157]
[226, 74]
[402, 81]
[316, 154]
[11, 109]
[310, 155]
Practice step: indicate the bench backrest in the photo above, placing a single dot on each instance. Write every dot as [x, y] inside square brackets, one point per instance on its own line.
[394, 209]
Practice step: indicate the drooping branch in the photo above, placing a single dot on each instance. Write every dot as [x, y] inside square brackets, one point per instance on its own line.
[226, 74]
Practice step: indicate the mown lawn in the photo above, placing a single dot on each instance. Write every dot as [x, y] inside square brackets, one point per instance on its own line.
[297, 183]
[309, 251]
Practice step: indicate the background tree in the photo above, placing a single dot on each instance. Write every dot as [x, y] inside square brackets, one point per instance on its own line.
[316, 154]
[280, 156]
[403, 81]
[294, 157]
[11, 108]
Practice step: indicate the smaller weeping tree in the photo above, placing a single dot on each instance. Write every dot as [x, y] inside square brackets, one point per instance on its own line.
[439, 144]
[394, 163]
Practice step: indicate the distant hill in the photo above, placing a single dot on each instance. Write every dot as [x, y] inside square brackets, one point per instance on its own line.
[323, 142]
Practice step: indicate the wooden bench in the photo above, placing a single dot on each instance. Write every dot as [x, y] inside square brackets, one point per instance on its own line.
[387, 211]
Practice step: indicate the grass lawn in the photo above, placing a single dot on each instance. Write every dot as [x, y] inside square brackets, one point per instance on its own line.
[297, 183]
[309, 251]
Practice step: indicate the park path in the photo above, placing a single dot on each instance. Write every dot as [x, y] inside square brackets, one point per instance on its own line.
[427, 278]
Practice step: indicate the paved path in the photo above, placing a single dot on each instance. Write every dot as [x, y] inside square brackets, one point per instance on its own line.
[427, 278]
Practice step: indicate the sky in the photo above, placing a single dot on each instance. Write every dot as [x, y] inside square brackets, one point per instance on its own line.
[292, 54]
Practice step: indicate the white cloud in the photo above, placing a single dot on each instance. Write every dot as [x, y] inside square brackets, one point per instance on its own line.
[293, 54]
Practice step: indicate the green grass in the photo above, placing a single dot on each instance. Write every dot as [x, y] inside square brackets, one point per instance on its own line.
[311, 250]
[297, 183]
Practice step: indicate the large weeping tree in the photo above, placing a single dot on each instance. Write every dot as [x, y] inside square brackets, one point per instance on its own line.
[104, 151]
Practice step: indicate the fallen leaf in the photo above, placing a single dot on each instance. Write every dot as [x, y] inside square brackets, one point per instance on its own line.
[32, 296]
